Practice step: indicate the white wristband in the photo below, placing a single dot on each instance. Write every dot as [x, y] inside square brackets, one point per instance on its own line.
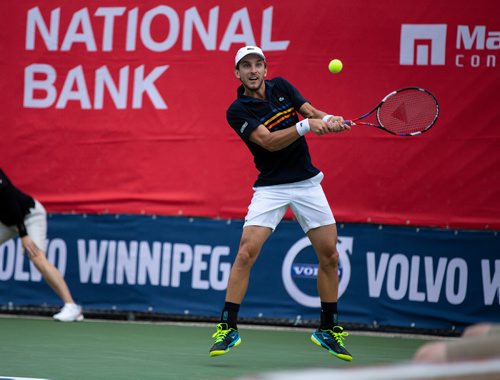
[326, 117]
[303, 127]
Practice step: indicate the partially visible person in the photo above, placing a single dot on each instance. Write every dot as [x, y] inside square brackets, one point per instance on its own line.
[478, 342]
[22, 215]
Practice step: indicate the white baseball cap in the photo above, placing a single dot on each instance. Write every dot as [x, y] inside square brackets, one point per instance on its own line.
[246, 50]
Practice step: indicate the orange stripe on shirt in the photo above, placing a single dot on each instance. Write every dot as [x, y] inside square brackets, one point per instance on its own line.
[272, 122]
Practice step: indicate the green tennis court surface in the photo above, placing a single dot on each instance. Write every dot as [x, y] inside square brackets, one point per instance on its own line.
[42, 348]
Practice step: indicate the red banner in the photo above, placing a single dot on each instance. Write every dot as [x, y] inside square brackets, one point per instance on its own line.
[120, 107]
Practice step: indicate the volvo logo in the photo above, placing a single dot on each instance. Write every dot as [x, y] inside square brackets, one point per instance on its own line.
[293, 270]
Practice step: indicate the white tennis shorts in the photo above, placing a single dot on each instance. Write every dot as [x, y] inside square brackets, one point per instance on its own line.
[36, 225]
[306, 199]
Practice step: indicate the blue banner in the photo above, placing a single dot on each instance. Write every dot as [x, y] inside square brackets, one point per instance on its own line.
[389, 276]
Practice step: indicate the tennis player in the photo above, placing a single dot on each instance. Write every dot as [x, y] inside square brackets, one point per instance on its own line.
[264, 115]
[23, 216]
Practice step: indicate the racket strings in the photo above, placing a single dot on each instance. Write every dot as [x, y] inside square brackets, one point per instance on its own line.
[408, 112]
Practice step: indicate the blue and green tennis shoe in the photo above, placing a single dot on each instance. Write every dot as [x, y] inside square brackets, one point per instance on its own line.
[225, 339]
[333, 341]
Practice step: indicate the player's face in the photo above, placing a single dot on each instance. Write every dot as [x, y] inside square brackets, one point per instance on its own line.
[252, 71]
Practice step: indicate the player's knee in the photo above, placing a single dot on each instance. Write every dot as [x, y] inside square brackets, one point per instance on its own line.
[40, 261]
[329, 260]
[245, 258]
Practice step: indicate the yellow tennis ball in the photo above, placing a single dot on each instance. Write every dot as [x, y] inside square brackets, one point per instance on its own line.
[335, 66]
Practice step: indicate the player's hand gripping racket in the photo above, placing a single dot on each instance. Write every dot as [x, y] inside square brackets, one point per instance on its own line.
[408, 111]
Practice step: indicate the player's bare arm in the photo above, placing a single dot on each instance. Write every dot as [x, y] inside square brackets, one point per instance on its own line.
[320, 126]
[273, 141]
[30, 247]
[281, 139]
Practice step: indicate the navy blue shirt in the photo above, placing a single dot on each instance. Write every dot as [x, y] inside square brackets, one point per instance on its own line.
[278, 111]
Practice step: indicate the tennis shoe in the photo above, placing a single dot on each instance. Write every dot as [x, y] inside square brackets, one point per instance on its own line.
[333, 341]
[70, 312]
[225, 339]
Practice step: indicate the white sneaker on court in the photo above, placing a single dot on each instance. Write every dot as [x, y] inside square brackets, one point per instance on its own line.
[69, 313]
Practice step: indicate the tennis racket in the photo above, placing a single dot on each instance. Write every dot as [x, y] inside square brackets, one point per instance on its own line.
[408, 111]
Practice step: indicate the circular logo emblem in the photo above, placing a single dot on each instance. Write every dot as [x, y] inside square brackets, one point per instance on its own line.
[344, 246]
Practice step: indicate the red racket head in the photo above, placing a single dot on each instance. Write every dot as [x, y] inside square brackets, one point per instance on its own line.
[408, 111]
